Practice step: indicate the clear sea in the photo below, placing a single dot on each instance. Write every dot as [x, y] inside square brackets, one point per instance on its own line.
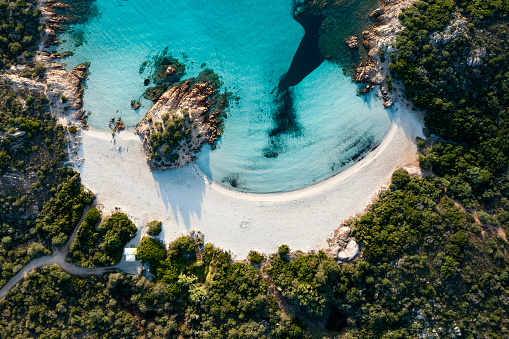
[251, 44]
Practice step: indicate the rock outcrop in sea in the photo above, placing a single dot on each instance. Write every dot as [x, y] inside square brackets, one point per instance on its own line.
[380, 42]
[183, 119]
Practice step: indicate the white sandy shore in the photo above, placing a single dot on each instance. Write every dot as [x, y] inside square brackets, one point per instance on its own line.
[185, 201]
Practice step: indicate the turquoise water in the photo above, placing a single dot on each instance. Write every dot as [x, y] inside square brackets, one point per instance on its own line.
[251, 46]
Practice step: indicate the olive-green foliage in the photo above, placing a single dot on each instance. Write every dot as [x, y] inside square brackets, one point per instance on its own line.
[426, 266]
[255, 257]
[61, 213]
[50, 303]
[150, 250]
[405, 216]
[421, 233]
[307, 281]
[215, 299]
[32, 152]
[223, 299]
[101, 244]
[19, 30]
[465, 102]
[154, 228]
[283, 250]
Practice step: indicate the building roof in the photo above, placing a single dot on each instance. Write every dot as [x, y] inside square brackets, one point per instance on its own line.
[130, 258]
[129, 251]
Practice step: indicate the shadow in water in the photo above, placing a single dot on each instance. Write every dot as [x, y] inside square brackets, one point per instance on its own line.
[307, 58]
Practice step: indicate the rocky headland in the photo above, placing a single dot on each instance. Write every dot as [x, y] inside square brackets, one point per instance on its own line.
[380, 42]
[185, 117]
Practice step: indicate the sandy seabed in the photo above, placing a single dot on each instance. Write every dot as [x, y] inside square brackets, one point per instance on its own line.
[185, 200]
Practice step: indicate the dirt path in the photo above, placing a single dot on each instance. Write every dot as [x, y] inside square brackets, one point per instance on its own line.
[57, 258]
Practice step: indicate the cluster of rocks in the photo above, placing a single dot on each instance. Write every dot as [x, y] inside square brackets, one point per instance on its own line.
[118, 126]
[82, 117]
[352, 42]
[458, 26]
[78, 75]
[53, 22]
[199, 107]
[387, 99]
[342, 246]
[381, 39]
[135, 104]
[476, 57]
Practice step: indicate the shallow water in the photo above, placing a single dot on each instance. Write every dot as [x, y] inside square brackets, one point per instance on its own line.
[251, 46]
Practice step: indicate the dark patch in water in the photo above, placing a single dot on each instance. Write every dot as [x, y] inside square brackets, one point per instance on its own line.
[285, 117]
[307, 58]
[365, 146]
[273, 149]
[233, 179]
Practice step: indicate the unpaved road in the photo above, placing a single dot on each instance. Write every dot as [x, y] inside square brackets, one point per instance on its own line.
[57, 258]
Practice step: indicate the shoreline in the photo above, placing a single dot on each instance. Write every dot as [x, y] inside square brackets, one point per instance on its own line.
[185, 200]
[380, 42]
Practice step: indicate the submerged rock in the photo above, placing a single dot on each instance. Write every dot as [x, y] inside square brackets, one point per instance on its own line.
[170, 71]
[135, 104]
[352, 42]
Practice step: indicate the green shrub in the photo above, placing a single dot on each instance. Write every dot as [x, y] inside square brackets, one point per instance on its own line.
[283, 250]
[255, 257]
[150, 250]
[400, 178]
[154, 228]
[72, 129]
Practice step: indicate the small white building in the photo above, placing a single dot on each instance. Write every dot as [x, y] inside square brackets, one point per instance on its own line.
[130, 254]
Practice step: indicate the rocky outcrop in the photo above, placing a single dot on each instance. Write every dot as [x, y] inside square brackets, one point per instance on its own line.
[368, 72]
[119, 126]
[342, 246]
[369, 39]
[349, 252]
[377, 12]
[352, 42]
[381, 41]
[184, 118]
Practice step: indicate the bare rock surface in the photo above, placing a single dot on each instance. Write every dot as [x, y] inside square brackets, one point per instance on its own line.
[352, 42]
[184, 118]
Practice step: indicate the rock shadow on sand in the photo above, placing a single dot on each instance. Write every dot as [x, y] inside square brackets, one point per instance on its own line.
[182, 190]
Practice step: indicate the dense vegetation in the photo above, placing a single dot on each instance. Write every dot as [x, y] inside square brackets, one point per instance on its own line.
[101, 244]
[427, 267]
[40, 200]
[50, 303]
[435, 252]
[453, 61]
[197, 293]
[19, 31]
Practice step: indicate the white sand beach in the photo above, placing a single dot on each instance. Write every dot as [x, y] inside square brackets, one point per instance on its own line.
[117, 172]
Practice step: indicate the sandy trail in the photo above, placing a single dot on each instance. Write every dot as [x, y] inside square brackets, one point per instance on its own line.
[57, 258]
[185, 200]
